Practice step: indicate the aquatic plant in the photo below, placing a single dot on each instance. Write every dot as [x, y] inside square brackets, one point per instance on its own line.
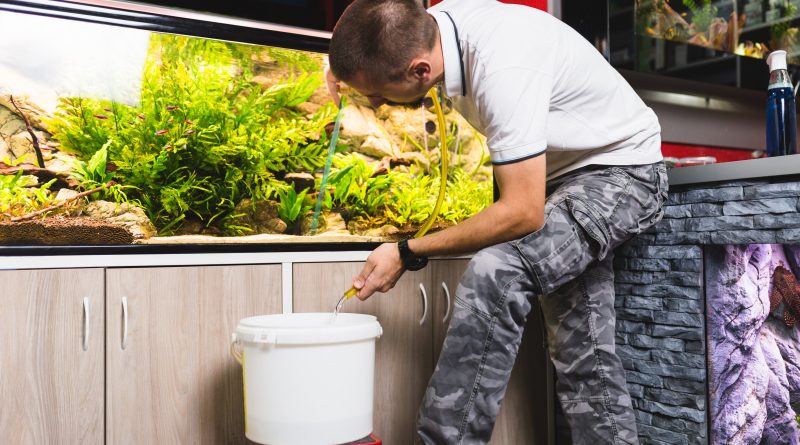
[702, 14]
[204, 135]
[20, 195]
[292, 206]
[95, 173]
[355, 189]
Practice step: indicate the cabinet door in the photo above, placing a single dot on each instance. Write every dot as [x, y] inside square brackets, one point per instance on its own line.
[445, 276]
[404, 354]
[170, 378]
[523, 414]
[51, 357]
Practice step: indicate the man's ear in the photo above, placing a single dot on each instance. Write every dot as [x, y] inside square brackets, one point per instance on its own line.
[419, 70]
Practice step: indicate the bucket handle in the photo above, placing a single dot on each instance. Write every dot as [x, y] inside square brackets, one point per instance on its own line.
[236, 353]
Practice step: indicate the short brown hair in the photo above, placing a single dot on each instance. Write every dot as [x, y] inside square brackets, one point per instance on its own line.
[379, 38]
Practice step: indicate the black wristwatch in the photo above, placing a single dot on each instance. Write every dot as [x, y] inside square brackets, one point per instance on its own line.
[410, 261]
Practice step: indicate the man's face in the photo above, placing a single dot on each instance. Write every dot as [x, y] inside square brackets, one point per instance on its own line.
[403, 92]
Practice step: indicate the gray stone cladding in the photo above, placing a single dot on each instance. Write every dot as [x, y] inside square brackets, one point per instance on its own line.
[660, 297]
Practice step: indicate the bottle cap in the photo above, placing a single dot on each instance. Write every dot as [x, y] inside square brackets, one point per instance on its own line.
[777, 60]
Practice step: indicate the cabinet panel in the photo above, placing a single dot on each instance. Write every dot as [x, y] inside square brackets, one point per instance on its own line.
[445, 276]
[404, 354]
[174, 381]
[523, 414]
[51, 388]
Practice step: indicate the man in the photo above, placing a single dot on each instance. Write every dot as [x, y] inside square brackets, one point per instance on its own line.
[577, 160]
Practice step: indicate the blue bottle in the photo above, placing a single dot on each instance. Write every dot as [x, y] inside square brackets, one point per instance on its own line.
[781, 114]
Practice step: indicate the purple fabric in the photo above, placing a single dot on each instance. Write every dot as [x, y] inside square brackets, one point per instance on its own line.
[754, 358]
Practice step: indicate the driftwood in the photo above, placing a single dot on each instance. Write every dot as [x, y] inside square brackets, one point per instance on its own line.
[43, 174]
[34, 138]
[62, 203]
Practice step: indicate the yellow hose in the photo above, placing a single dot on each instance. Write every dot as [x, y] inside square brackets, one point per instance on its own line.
[444, 153]
[437, 106]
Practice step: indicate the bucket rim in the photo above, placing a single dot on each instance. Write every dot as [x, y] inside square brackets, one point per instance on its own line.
[307, 328]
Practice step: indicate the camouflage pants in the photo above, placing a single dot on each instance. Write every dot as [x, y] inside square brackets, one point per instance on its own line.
[567, 265]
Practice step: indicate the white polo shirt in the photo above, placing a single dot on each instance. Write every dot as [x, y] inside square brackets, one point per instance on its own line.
[531, 84]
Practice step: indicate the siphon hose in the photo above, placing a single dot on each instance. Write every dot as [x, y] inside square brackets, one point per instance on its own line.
[437, 106]
[327, 171]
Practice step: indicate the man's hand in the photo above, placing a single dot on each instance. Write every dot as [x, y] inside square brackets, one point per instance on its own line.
[332, 84]
[381, 272]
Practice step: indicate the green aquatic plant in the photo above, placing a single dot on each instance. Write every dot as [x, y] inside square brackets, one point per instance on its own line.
[357, 192]
[702, 14]
[20, 195]
[412, 199]
[296, 60]
[204, 135]
[465, 196]
[293, 206]
[95, 173]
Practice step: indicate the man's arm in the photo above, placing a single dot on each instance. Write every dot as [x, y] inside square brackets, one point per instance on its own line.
[518, 212]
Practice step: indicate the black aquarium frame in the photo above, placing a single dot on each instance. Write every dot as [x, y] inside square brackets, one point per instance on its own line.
[191, 24]
[175, 21]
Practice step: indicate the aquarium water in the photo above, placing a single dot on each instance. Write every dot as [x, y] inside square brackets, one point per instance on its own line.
[781, 113]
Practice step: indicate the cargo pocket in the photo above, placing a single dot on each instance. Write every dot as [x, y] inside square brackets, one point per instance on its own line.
[592, 223]
[570, 240]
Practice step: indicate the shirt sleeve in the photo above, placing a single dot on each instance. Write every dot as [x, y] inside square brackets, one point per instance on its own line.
[514, 104]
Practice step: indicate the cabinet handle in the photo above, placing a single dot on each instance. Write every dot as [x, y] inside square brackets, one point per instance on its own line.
[424, 304]
[85, 323]
[446, 294]
[124, 322]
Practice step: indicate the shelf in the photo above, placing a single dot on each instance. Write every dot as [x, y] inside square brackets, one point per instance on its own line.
[700, 63]
[765, 25]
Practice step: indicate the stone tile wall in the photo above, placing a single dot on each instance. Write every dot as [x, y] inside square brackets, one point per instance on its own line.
[661, 297]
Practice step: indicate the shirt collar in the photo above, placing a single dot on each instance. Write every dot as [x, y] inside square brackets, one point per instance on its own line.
[450, 53]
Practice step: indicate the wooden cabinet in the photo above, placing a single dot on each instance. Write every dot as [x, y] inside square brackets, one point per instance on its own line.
[170, 378]
[403, 355]
[407, 352]
[51, 357]
[523, 414]
[141, 355]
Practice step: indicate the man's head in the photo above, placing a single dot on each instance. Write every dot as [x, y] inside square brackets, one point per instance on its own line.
[388, 50]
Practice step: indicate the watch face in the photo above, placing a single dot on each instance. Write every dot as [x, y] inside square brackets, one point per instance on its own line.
[417, 264]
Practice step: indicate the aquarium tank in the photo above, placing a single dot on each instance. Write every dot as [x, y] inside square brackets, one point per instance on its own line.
[116, 135]
[751, 28]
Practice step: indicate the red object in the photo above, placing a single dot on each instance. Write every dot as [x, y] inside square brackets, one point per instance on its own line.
[538, 4]
[721, 154]
[369, 440]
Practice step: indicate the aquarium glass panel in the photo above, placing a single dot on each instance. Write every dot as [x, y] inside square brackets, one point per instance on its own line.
[750, 28]
[111, 135]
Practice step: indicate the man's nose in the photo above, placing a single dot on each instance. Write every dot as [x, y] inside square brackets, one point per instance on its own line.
[377, 101]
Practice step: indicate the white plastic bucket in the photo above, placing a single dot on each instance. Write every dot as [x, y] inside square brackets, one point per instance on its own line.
[307, 381]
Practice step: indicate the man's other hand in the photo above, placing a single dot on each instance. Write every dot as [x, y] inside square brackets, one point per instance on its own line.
[381, 272]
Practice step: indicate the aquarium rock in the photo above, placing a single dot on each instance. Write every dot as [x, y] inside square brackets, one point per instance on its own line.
[261, 217]
[15, 141]
[386, 231]
[362, 130]
[300, 181]
[62, 231]
[125, 215]
[331, 223]
[376, 146]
